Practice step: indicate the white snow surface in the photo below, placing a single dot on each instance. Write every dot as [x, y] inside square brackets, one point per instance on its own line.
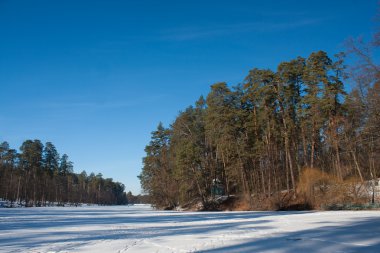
[142, 229]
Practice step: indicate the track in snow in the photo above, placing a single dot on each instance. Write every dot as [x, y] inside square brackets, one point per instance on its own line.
[140, 229]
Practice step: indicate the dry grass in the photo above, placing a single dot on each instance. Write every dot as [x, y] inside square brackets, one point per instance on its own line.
[315, 190]
[318, 189]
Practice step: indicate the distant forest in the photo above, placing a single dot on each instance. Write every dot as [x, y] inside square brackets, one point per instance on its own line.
[39, 176]
[290, 136]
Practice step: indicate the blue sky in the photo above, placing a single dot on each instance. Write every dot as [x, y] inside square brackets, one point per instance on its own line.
[96, 77]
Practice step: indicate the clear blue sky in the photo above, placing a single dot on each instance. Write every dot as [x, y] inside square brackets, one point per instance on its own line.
[96, 77]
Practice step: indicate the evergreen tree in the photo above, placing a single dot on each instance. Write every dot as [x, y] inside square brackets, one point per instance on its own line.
[156, 176]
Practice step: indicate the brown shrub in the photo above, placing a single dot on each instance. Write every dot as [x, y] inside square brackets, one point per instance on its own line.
[317, 189]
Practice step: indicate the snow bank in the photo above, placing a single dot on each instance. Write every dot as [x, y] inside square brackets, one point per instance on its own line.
[139, 228]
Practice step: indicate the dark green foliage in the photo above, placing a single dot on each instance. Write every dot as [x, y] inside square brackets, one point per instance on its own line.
[255, 139]
[38, 176]
[157, 177]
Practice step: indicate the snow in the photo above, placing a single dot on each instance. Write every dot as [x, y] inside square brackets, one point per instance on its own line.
[141, 229]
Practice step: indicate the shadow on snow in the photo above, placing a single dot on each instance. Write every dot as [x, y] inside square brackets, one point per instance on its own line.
[56, 226]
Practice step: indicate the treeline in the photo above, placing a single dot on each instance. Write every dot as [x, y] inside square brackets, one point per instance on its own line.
[137, 199]
[39, 176]
[256, 139]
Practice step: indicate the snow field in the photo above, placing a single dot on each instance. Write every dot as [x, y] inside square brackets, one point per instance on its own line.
[141, 229]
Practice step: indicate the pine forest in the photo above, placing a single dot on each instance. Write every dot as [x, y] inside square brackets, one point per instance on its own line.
[39, 176]
[296, 137]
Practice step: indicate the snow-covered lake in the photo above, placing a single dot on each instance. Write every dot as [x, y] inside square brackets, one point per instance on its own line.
[140, 229]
